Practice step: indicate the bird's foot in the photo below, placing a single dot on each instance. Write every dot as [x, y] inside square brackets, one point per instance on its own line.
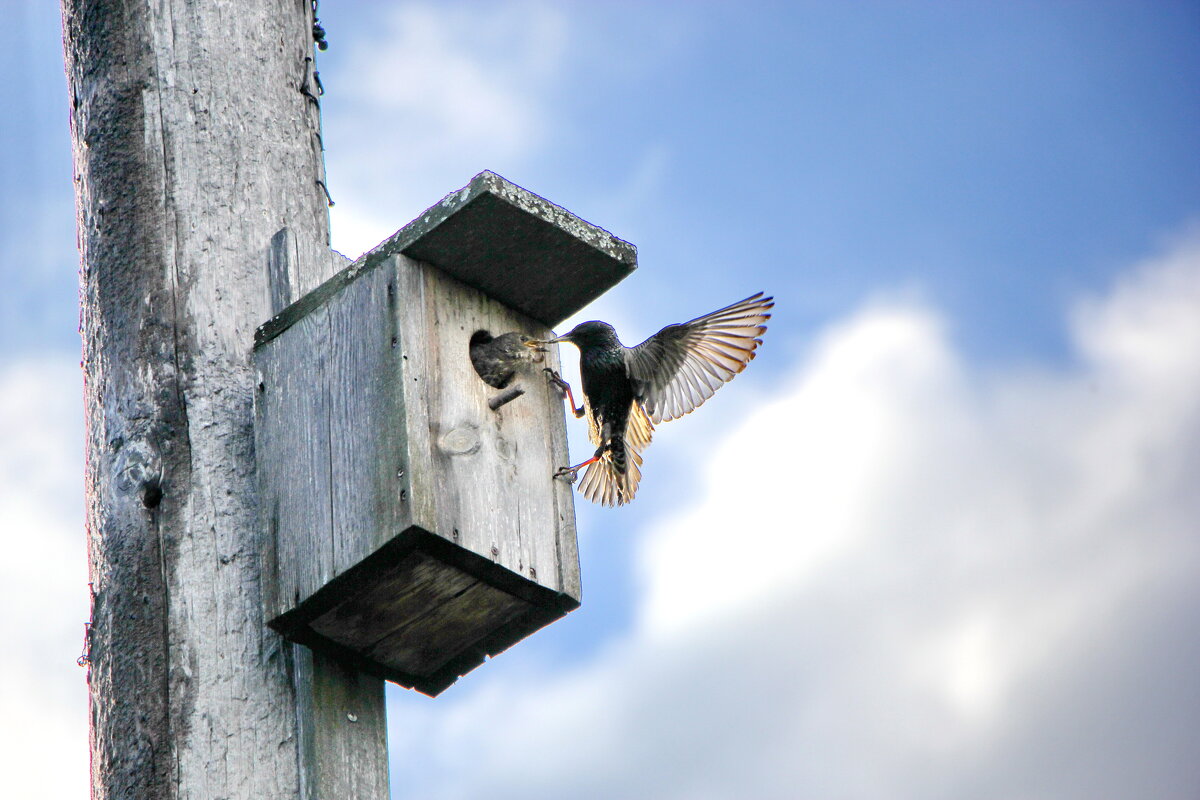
[557, 380]
[568, 474]
[564, 389]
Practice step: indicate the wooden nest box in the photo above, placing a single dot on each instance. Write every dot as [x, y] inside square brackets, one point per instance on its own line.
[413, 525]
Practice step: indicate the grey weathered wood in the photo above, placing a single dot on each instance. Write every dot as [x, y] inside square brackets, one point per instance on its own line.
[468, 616]
[343, 728]
[340, 712]
[399, 434]
[194, 143]
[331, 473]
[489, 470]
[369, 456]
[281, 262]
[519, 248]
[419, 583]
[284, 388]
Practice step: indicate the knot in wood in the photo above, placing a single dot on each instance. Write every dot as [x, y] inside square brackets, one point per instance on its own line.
[138, 468]
[460, 442]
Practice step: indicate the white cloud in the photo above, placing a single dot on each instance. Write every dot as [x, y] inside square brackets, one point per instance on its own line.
[902, 577]
[437, 90]
[43, 582]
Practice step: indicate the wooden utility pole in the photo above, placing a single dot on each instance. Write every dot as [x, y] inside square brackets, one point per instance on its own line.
[196, 139]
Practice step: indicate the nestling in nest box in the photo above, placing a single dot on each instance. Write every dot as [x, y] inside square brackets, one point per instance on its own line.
[415, 527]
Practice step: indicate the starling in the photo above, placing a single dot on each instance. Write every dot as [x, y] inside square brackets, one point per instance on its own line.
[497, 359]
[627, 390]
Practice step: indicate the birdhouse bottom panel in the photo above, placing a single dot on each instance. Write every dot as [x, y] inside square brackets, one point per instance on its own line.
[421, 612]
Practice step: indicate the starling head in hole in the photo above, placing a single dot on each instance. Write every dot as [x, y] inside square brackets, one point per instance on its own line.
[627, 390]
[498, 359]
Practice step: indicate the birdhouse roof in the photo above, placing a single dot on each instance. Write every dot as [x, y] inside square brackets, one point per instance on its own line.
[514, 246]
[518, 248]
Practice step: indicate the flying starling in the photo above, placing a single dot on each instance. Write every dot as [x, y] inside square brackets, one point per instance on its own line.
[627, 390]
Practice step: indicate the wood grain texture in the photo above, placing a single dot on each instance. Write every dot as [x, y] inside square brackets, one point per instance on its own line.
[399, 423]
[342, 719]
[369, 440]
[465, 617]
[282, 261]
[417, 584]
[195, 141]
[292, 387]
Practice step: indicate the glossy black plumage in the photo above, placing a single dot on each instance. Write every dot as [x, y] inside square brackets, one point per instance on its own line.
[628, 389]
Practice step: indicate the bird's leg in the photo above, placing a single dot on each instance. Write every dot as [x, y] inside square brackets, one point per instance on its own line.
[570, 474]
[565, 388]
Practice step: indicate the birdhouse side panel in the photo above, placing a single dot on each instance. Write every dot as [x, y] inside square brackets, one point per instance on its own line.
[293, 451]
[370, 463]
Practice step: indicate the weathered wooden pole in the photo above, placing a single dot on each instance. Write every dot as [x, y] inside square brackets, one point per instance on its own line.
[196, 137]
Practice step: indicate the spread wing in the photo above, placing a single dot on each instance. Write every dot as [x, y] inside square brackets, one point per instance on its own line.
[680, 367]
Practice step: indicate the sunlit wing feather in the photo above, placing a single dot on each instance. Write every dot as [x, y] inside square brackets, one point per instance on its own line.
[681, 366]
[593, 422]
[640, 429]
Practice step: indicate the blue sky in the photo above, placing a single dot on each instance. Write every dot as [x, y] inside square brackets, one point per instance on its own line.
[938, 541]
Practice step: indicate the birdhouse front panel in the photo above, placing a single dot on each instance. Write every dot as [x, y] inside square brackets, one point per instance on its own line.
[481, 476]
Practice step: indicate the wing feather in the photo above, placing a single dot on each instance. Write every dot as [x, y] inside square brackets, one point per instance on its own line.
[681, 366]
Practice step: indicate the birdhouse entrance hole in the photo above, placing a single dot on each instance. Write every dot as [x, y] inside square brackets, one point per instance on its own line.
[482, 338]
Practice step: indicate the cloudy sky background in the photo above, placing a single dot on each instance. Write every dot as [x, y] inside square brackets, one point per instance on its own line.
[939, 541]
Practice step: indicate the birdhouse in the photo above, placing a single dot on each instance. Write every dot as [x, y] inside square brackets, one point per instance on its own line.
[413, 526]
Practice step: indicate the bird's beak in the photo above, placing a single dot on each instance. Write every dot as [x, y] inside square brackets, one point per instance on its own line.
[535, 345]
[540, 342]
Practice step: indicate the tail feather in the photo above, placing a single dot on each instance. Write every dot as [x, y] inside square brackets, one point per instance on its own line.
[607, 485]
[613, 479]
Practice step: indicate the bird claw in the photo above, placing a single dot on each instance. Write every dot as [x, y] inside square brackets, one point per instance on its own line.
[557, 380]
[568, 474]
[564, 389]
